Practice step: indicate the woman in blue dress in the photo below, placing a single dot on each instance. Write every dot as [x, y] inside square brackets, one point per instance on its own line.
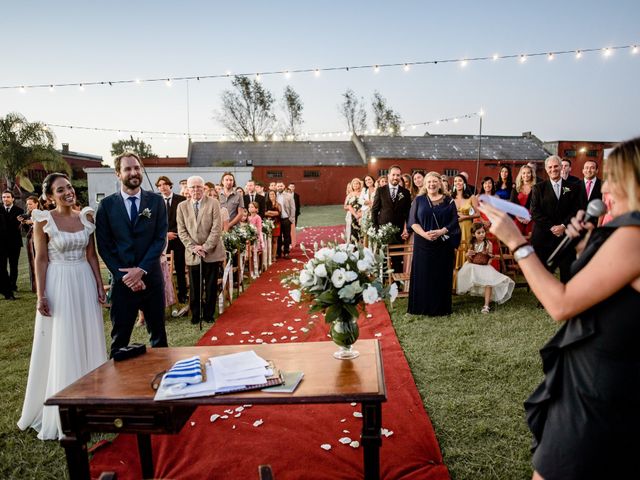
[504, 183]
[434, 219]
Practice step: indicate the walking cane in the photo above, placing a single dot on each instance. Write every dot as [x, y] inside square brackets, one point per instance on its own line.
[200, 288]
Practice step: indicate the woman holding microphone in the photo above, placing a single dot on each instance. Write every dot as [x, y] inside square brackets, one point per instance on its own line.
[585, 416]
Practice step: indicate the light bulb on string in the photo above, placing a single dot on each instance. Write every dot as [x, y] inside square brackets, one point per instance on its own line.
[634, 49]
[406, 67]
[81, 87]
[23, 90]
[376, 69]
[463, 63]
[52, 88]
[550, 57]
[317, 72]
[168, 83]
[606, 52]
[258, 77]
[287, 74]
[138, 82]
[495, 57]
[578, 54]
[523, 58]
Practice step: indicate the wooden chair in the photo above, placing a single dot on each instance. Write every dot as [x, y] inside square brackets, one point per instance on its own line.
[405, 251]
[265, 472]
[510, 267]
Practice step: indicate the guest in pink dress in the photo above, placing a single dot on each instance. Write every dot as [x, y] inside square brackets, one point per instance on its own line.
[256, 221]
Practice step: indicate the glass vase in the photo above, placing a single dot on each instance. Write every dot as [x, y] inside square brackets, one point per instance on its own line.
[344, 333]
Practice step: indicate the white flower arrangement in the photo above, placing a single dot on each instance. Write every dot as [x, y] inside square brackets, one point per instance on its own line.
[383, 235]
[268, 225]
[145, 213]
[339, 280]
[355, 202]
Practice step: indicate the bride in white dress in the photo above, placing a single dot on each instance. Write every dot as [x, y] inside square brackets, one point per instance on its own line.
[68, 339]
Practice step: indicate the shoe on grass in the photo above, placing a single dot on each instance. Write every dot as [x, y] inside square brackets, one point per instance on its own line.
[485, 309]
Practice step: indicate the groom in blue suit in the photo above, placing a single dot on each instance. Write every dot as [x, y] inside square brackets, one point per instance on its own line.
[131, 231]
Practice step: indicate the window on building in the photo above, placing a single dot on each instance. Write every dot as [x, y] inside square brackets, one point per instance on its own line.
[311, 173]
[450, 172]
[383, 172]
[570, 153]
[274, 173]
[592, 153]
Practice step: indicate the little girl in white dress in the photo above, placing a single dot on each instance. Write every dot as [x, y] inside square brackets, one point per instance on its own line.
[477, 277]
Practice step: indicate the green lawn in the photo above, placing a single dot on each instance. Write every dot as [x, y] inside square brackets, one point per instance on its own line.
[473, 372]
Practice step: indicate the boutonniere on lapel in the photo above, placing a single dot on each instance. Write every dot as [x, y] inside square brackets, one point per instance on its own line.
[565, 190]
[400, 196]
[145, 213]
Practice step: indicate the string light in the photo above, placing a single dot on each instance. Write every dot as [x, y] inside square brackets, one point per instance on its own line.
[406, 66]
[23, 90]
[550, 57]
[463, 63]
[222, 136]
[81, 87]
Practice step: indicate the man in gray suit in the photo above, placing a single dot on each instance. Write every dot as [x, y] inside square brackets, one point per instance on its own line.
[200, 230]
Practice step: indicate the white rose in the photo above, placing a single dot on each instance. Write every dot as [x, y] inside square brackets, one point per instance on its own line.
[370, 295]
[295, 295]
[393, 292]
[350, 275]
[321, 271]
[338, 277]
[323, 253]
[339, 257]
[307, 278]
[364, 265]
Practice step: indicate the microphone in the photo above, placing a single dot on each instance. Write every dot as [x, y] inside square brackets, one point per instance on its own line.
[595, 208]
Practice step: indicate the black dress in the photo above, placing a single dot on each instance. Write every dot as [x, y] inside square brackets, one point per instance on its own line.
[585, 416]
[432, 264]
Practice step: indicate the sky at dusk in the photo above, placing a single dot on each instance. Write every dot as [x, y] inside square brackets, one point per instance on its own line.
[591, 98]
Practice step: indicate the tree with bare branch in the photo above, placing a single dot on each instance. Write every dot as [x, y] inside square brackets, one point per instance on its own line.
[352, 110]
[292, 114]
[386, 120]
[247, 110]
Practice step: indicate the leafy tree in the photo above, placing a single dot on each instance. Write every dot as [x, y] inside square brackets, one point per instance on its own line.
[135, 145]
[352, 109]
[247, 110]
[293, 113]
[23, 145]
[386, 120]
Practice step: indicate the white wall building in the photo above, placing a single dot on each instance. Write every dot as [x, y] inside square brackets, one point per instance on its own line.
[103, 181]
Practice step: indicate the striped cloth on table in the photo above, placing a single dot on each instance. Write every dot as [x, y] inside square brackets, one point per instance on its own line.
[187, 371]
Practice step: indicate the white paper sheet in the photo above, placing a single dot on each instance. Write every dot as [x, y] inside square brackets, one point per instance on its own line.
[505, 206]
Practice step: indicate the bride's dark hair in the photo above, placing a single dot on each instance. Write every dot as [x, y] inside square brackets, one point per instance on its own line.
[47, 188]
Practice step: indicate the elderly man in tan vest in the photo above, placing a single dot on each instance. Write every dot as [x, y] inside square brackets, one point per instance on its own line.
[200, 229]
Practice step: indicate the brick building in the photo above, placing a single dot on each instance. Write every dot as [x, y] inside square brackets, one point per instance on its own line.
[579, 152]
[321, 170]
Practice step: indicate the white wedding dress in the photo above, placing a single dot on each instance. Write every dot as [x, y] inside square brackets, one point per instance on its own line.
[71, 342]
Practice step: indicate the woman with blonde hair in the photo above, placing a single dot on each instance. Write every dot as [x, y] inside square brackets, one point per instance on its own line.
[521, 194]
[353, 206]
[434, 219]
[584, 416]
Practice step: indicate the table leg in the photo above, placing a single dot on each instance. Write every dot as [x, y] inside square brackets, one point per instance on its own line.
[371, 438]
[75, 449]
[146, 459]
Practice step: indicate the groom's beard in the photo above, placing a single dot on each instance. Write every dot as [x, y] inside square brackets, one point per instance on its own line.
[133, 181]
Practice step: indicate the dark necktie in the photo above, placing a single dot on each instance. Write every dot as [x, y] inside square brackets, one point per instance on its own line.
[168, 200]
[393, 193]
[196, 208]
[134, 209]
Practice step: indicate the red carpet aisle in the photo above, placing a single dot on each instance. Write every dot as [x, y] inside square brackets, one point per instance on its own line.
[289, 438]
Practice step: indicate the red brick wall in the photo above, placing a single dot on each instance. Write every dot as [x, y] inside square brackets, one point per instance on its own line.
[330, 187]
[577, 162]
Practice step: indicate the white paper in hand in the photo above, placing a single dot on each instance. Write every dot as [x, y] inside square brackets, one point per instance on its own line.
[505, 206]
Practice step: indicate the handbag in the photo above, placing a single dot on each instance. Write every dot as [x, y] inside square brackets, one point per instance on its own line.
[480, 258]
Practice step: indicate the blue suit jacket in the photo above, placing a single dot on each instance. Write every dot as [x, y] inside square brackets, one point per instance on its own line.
[123, 244]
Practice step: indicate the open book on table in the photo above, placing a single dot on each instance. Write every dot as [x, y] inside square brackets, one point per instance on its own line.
[236, 372]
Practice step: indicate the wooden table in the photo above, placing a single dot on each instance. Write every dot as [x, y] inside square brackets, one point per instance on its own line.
[117, 396]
